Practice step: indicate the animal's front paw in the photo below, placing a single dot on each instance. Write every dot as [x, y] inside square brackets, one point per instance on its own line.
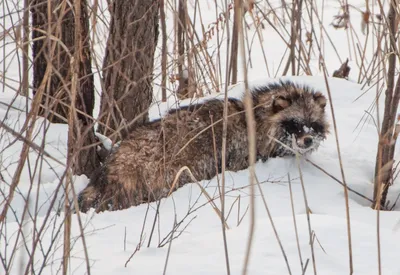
[87, 199]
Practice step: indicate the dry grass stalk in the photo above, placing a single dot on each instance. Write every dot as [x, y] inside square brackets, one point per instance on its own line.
[311, 243]
[273, 226]
[25, 149]
[346, 193]
[201, 58]
[72, 125]
[251, 132]
[163, 52]
[203, 191]
[295, 222]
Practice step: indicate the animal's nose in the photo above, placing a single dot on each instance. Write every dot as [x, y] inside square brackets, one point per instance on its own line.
[308, 141]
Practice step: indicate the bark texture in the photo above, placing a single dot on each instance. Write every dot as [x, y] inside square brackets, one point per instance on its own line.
[87, 160]
[128, 66]
[56, 19]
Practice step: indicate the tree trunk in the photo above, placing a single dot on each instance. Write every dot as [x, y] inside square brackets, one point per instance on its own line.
[128, 66]
[52, 20]
[86, 158]
[187, 85]
[181, 36]
[56, 18]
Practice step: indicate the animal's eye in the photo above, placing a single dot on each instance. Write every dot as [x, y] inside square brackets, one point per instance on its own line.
[292, 126]
[318, 127]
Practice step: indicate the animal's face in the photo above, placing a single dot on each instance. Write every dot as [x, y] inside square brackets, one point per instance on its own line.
[302, 135]
[300, 121]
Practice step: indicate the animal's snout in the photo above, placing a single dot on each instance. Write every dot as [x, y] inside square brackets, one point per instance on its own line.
[308, 141]
[305, 142]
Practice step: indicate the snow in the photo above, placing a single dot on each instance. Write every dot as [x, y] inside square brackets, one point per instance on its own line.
[111, 237]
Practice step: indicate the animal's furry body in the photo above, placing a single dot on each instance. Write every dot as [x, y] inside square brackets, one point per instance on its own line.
[144, 166]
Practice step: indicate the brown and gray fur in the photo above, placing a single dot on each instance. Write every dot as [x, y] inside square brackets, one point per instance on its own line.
[143, 168]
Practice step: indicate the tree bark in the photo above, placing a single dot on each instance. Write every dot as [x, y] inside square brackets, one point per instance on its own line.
[187, 85]
[86, 159]
[128, 66]
[181, 36]
[52, 21]
[55, 19]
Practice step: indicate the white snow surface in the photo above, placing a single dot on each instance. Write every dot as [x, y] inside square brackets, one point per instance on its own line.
[199, 249]
[111, 237]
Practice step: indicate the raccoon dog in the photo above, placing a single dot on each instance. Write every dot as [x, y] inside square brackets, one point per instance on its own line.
[144, 166]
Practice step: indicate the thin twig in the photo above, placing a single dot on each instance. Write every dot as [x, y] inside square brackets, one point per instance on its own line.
[307, 214]
[273, 226]
[251, 134]
[295, 223]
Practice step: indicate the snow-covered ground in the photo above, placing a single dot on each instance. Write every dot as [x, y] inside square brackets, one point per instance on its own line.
[111, 237]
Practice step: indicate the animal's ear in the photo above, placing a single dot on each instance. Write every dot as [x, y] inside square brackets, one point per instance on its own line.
[280, 103]
[320, 99]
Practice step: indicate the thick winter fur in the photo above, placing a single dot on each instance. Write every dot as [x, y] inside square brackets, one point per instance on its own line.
[144, 166]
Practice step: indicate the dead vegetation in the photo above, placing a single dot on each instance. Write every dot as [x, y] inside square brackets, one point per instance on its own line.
[194, 55]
